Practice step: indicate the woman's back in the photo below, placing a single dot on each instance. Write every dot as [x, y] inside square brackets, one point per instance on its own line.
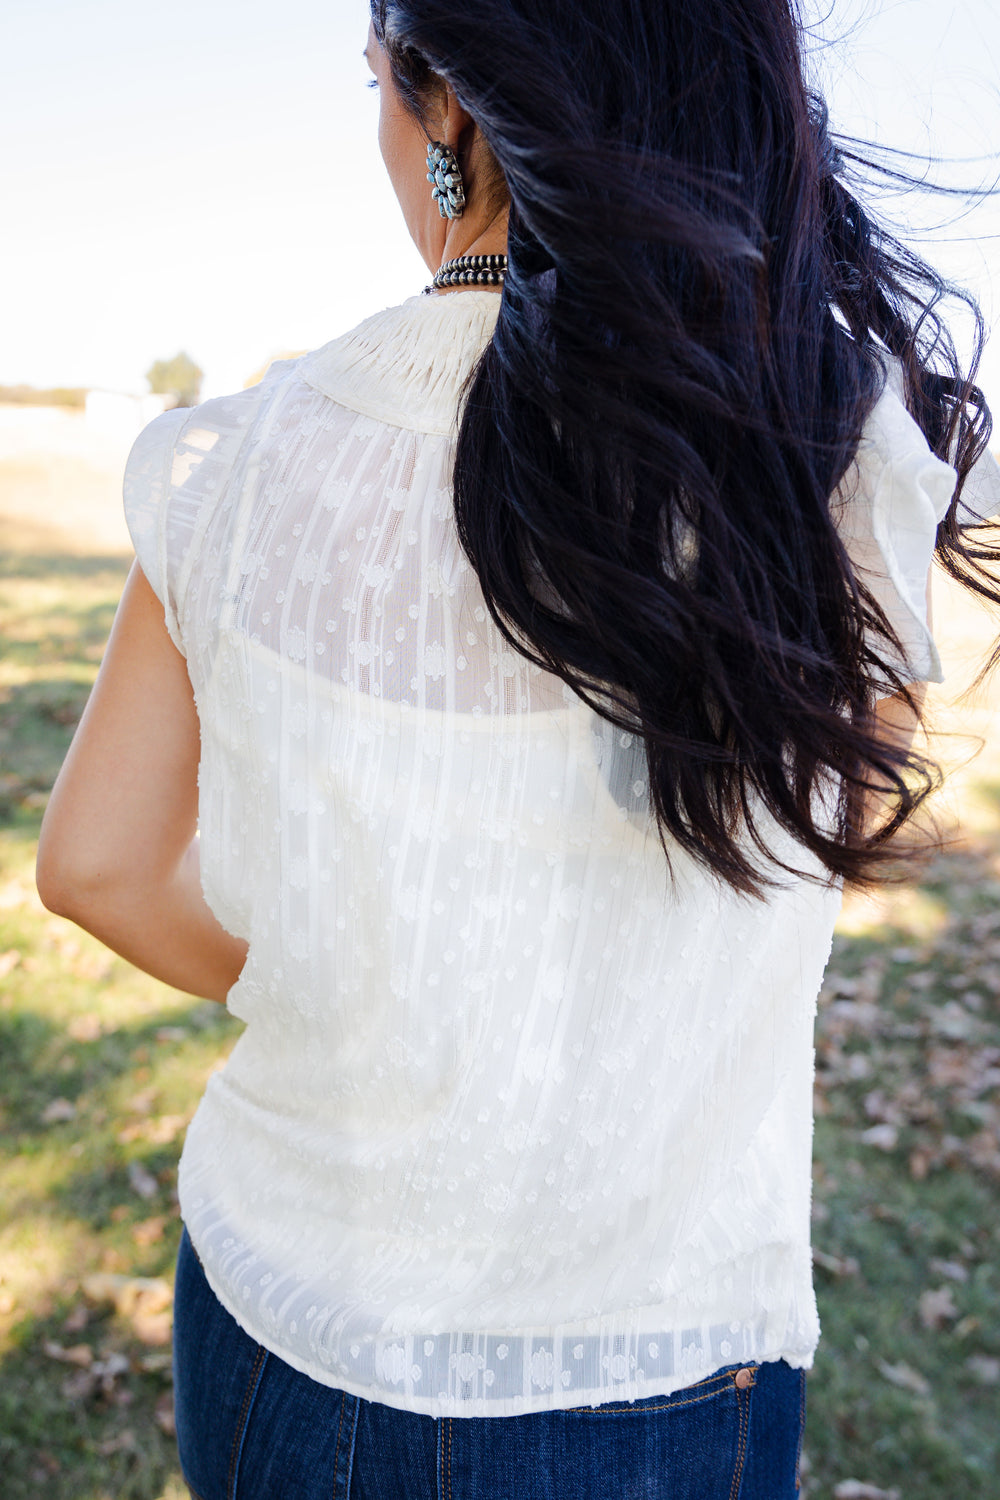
[532, 650]
[521, 1117]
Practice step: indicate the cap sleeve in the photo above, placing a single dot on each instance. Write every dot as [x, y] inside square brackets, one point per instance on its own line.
[180, 469]
[887, 513]
[147, 488]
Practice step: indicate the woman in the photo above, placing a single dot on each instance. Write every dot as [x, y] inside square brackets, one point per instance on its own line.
[531, 695]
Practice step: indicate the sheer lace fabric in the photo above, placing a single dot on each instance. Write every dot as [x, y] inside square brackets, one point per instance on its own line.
[515, 1122]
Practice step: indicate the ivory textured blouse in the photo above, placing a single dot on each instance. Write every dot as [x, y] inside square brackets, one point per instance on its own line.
[516, 1122]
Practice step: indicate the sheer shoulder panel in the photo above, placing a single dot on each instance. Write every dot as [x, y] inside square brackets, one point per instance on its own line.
[179, 468]
[887, 512]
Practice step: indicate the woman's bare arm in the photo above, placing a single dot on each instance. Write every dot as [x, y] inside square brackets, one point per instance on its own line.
[117, 853]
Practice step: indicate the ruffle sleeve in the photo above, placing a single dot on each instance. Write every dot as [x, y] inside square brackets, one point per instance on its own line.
[981, 493]
[180, 468]
[887, 513]
[146, 492]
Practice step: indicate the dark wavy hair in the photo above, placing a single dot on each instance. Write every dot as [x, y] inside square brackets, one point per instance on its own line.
[697, 321]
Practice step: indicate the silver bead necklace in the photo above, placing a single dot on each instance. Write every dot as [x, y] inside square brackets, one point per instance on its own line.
[470, 270]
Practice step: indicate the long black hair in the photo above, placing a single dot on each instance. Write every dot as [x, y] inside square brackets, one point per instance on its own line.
[697, 321]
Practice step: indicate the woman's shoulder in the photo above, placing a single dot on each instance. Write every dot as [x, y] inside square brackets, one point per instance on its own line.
[408, 365]
[208, 428]
[179, 468]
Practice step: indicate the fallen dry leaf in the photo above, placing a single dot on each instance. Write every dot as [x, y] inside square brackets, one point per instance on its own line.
[953, 1269]
[102, 1376]
[77, 1320]
[953, 1022]
[984, 1367]
[13, 895]
[166, 1128]
[983, 1150]
[937, 1307]
[836, 984]
[92, 967]
[920, 1163]
[153, 1329]
[922, 979]
[149, 1231]
[172, 1034]
[856, 1489]
[905, 1377]
[9, 961]
[163, 1416]
[160, 1131]
[885, 1137]
[76, 1354]
[50, 1465]
[837, 1265]
[124, 1442]
[143, 1182]
[126, 1292]
[81, 1386]
[85, 1028]
[146, 1303]
[112, 1365]
[57, 1111]
[886, 1111]
[143, 1102]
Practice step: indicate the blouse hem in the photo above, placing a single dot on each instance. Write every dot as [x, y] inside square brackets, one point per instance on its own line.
[443, 1405]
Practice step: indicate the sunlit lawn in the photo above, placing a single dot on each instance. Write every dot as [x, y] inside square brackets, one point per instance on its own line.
[102, 1069]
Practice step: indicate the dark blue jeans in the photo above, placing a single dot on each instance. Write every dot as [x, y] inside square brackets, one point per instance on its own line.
[251, 1428]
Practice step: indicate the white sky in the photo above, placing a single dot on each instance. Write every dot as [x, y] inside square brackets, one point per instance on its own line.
[205, 175]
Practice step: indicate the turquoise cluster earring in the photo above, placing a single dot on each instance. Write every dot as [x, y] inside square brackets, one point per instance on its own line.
[445, 177]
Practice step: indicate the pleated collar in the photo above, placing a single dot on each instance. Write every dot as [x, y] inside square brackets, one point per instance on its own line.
[409, 364]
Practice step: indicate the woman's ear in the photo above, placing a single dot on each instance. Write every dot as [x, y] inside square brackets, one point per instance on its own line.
[481, 172]
[457, 126]
[445, 119]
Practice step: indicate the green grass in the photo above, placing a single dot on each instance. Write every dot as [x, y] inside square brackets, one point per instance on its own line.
[907, 1230]
[103, 1067]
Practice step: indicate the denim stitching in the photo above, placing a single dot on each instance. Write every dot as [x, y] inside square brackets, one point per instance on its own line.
[737, 1479]
[450, 1436]
[802, 1427]
[238, 1435]
[336, 1450]
[717, 1380]
[596, 1411]
[743, 1403]
[444, 1476]
[352, 1409]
